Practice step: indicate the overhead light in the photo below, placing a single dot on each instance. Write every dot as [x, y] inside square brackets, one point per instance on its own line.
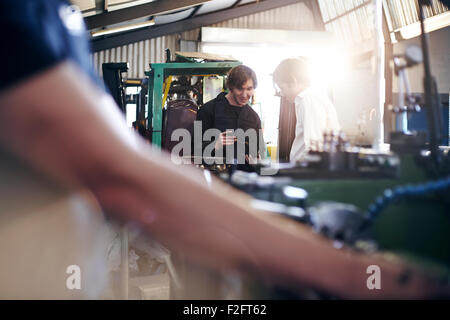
[123, 4]
[84, 4]
[431, 24]
[127, 27]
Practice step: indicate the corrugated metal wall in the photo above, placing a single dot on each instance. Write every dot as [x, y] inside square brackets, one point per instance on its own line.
[293, 17]
[401, 13]
[351, 21]
[139, 55]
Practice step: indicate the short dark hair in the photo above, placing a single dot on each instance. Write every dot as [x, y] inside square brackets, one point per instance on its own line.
[292, 69]
[239, 75]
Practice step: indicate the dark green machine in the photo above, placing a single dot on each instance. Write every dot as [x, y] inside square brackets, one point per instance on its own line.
[396, 201]
[416, 226]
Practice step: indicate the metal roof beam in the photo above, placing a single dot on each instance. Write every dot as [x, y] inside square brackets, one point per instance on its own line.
[194, 12]
[236, 3]
[318, 18]
[188, 24]
[139, 11]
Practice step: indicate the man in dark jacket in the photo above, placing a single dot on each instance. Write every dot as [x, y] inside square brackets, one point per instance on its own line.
[231, 111]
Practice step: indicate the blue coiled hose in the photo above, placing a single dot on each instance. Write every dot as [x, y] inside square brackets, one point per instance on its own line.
[390, 195]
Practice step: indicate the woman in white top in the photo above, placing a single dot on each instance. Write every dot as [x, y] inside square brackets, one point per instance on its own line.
[314, 111]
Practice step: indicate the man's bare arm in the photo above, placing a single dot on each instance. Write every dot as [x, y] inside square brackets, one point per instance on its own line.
[64, 126]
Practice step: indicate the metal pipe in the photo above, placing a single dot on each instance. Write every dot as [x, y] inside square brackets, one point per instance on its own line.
[379, 74]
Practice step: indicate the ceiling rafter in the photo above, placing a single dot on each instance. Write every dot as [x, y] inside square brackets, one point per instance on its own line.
[188, 24]
[139, 11]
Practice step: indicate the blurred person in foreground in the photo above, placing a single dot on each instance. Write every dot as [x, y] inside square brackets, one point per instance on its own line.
[67, 152]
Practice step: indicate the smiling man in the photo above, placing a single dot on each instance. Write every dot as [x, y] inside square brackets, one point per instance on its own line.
[231, 111]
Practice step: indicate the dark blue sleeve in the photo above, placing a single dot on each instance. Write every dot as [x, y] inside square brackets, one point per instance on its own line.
[37, 34]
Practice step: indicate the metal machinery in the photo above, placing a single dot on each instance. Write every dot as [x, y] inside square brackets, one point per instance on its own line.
[396, 201]
[161, 73]
[112, 76]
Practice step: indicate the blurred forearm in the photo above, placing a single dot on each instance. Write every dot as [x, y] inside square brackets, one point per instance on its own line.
[63, 126]
[76, 134]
